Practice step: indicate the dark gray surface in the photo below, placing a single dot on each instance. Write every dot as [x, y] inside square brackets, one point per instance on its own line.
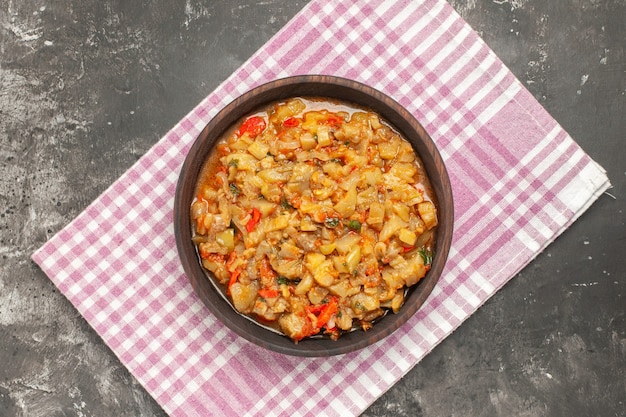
[86, 87]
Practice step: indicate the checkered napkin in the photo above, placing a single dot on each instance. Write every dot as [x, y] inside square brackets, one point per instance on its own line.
[518, 181]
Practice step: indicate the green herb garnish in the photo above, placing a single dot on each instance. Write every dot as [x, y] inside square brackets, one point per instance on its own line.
[285, 204]
[233, 163]
[331, 222]
[234, 189]
[354, 225]
[282, 280]
[427, 256]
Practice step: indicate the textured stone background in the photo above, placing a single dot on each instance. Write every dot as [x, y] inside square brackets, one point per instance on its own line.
[87, 86]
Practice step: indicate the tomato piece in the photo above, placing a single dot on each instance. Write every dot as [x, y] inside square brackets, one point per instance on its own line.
[327, 313]
[252, 126]
[334, 121]
[254, 220]
[407, 249]
[268, 293]
[291, 122]
[324, 312]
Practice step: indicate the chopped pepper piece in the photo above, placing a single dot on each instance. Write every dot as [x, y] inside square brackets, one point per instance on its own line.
[268, 293]
[254, 220]
[291, 122]
[324, 312]
[252, 126]
[233, 278]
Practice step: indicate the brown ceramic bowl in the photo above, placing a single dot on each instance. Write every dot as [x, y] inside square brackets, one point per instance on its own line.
[333, 88]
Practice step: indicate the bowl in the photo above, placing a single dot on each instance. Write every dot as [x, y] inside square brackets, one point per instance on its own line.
[333, 88]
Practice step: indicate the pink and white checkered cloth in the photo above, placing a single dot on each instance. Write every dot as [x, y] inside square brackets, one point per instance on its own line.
[518, 180]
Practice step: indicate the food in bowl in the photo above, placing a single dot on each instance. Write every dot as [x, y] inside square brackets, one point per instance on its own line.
[314, 217]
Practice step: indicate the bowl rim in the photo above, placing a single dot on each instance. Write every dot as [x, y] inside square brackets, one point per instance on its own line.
[332, 87]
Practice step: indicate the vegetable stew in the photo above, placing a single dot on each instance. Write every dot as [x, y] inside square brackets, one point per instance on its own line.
[314, 217]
